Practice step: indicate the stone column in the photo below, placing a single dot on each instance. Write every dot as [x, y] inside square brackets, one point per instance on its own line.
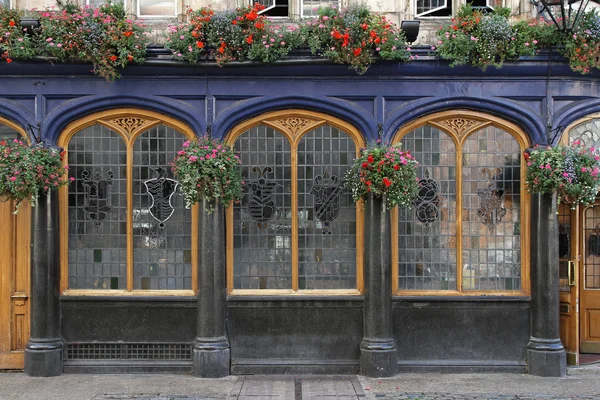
[43, 353]
[377, 349]
[545, 353]
[211, 348]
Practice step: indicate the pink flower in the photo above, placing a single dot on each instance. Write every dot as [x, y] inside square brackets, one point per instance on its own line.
[13, 178]
[186, 143]
[583, 169]
[193, 158]
[71, 179]
[548, 166]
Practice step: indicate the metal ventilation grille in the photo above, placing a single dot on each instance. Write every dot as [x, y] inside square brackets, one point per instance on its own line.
[129, 351]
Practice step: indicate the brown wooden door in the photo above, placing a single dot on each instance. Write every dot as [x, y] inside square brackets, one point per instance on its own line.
[569, 290]
[14, 284]
[589, 294]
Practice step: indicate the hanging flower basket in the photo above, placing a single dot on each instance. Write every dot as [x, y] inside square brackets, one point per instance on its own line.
[208, 170]
[384, 171]
[27, 171]
[570, 171]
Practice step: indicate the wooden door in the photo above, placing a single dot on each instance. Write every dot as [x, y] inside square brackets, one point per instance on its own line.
[589, 296]
[14, 284]
[569, 282]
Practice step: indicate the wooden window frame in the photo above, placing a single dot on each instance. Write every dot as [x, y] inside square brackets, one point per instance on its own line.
[128, 124]
[459, 125]
[293, 125]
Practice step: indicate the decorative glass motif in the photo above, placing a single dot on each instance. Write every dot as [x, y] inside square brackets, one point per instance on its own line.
[262, 205]
[492, 208]
[327, 190]
[491, 211]
[591, 264]
[262, 256]
[161, 189]
[97, 202]
[587, 132]
[427, 254]
[427, 200]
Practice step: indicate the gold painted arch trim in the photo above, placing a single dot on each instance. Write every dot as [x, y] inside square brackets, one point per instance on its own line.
[459, 125]
[294, 124]
[128, 123]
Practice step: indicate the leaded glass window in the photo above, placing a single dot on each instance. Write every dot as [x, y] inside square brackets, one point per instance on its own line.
[464, 232]
[128, 228]
[587, 132]
[295, 229]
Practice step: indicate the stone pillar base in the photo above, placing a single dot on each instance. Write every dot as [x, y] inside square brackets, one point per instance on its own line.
[546, 358]
[378, 359]
[211, 358]
[44, 359]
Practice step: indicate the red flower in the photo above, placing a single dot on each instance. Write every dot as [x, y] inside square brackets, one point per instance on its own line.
[249, 39]
[370, 158]
[200, 44]
[387, 182]
[3, 143]
[113, 58]
[357, 52]
[365, 165]
[259, 25]
[8, 60]
[11, 23]
[336, 34]
[128, 33]
[396, 167]
[234, 22]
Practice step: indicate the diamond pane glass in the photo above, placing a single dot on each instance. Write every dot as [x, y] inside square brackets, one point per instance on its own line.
[491, 223]
[326, 212]
[162, 226]
[427, 232]
[262, 221]
[587, 132]
[592, 248]
[97, 210]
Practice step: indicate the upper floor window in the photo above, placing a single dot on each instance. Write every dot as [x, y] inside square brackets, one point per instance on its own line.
[467, 231]
[126, 227]
[156, 8]
[443, 8]
[289, 8]
[296, 230]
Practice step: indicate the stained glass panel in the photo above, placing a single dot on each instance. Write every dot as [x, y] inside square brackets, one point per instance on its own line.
[326, 212]
[587, 132]
[491, 223]
[564, 233]
[162, 240]
[427, 232]
[262, 221]
[97, 210]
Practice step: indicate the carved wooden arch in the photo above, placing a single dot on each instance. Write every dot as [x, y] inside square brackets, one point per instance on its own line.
[128, 123]
[16, 127]
[294, 124]
[459, 125]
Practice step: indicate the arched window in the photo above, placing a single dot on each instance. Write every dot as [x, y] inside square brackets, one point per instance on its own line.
[125, 225]
[297, 229]
[467, 230]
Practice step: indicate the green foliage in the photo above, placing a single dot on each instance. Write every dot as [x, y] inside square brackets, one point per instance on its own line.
[571, 171]
[384, 171]
[483, 39]
[238, 35]
[26, 171]
[209, 170]
[101, 36]
[353, 36]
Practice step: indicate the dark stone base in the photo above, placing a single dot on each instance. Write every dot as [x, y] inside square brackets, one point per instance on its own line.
[211, 363]
[547, 363]
[378, 359]
[44, 360]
